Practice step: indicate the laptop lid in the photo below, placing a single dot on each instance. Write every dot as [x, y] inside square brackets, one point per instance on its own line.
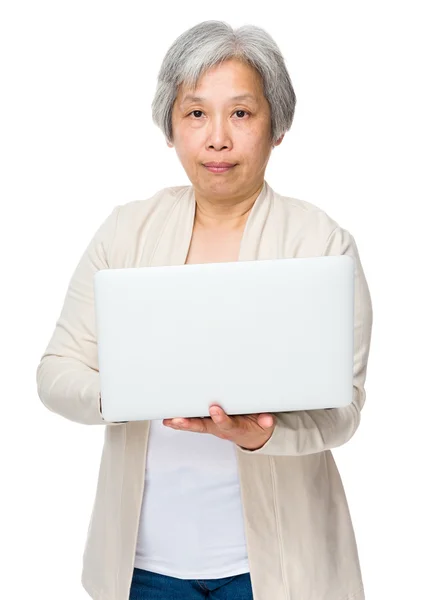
[255, 336]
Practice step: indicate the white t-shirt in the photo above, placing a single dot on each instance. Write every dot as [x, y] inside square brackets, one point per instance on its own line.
[191, 522]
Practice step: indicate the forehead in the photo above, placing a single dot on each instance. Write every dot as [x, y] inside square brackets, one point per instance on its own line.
[190, 97]
[241, 81]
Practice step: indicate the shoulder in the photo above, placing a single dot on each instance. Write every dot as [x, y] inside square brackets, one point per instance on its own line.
[305, 220]
[138, 224]
[303, 211]
[160, 203]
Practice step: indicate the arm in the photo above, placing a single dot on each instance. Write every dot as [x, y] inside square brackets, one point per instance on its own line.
[68, 374]
[310, 431]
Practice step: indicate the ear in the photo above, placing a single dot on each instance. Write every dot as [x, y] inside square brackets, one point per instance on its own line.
[279, 141]
[170, 144]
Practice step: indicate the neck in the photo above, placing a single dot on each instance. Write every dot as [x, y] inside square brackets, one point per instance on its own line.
[228, 214]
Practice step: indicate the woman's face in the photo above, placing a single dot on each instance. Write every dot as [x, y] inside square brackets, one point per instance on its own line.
[217, 127]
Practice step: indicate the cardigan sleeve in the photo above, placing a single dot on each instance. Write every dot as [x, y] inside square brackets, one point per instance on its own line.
[310, 431]
[68, 375]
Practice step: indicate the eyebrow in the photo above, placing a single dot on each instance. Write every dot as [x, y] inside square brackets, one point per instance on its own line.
[191, 98]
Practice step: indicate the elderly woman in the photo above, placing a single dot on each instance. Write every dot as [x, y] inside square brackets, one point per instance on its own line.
[225, 507]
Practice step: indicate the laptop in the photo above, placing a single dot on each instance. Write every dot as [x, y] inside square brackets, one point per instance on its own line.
[251, 336]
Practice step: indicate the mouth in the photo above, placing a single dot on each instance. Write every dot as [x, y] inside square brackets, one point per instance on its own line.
[219, 167]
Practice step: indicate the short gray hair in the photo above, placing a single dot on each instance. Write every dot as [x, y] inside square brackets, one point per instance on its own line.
[210, 43]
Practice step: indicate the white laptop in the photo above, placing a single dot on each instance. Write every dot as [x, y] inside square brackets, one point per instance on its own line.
[253, 337]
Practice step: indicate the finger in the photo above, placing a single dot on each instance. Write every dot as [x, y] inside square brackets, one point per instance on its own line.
[188, 424]
[222, 419]
[178, 421]
[266, 420]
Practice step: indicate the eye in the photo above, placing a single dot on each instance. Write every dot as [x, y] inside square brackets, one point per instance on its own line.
[241, 111]
[200, 111]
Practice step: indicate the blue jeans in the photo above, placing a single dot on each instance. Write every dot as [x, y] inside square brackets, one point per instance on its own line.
[146, 585]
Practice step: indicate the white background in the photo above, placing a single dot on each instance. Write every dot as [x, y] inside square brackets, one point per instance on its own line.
[77, 139]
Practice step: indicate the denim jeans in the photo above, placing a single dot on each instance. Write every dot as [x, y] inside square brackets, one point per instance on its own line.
[146, 585]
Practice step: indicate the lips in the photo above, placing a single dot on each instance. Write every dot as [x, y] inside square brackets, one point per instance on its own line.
[219, 167]
[219, 164]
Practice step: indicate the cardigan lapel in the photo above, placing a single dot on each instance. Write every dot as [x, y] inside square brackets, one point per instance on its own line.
[259, 240]
[172, 245]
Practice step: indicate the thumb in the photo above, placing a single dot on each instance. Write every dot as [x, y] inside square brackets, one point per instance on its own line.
[266, 420]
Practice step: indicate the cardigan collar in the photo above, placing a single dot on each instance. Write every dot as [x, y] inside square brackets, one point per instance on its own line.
[259, 240]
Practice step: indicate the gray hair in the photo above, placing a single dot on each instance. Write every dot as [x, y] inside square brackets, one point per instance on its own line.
[210, 43]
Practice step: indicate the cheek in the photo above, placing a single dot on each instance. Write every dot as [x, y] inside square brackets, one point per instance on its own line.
[190, 153]
[254, 149]
[252, 140]
[184, 152]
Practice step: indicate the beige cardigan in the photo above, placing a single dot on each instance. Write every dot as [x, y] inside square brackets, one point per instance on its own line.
[300, 539]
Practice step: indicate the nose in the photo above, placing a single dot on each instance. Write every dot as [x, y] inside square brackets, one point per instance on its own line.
[218, 135]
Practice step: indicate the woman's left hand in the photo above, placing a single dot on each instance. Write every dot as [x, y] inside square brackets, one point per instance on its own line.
[248, 431]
